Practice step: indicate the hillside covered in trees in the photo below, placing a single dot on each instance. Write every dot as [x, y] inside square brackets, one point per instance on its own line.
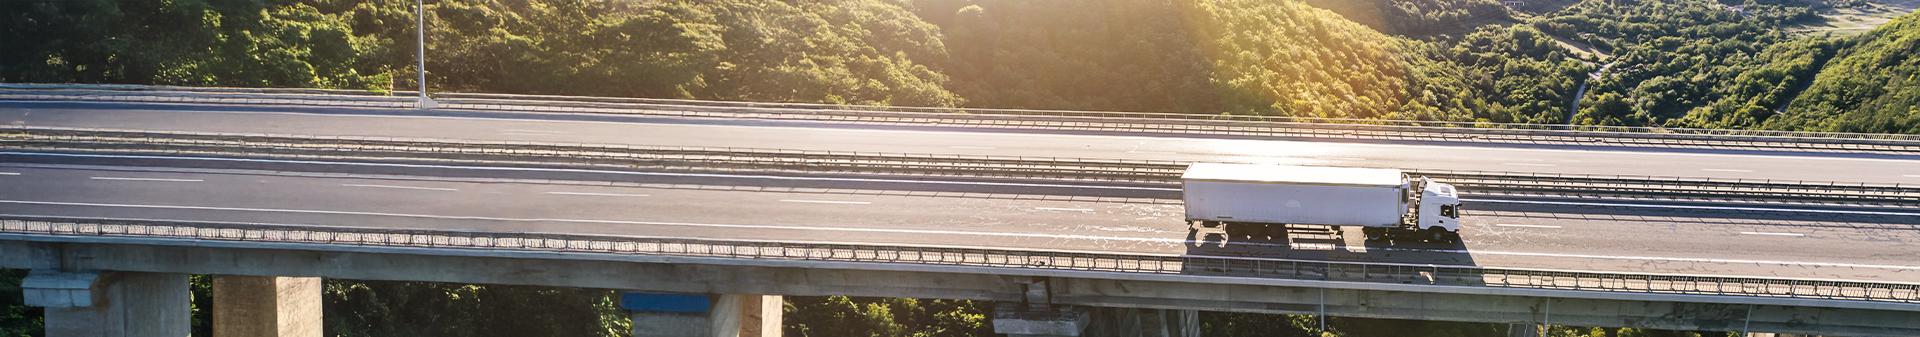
[1868, 87]
[1675, 63]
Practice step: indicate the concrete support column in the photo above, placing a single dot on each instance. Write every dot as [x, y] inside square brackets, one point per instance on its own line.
[1135, 322]
[1523, 330]
[693, 315]
[266, 306]
[762, 315]
[110, 304]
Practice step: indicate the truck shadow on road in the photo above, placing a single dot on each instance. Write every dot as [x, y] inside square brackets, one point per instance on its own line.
[1304, 252]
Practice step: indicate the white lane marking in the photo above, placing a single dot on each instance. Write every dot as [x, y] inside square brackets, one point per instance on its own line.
[973, 147]
[703, 175]
[1692, 207]
[1912, 176]
[1726, 170]
[599, 194]
[1152, 152]
[1063, 209]
[9, 173]
[952, 232]
[1343, 158]
[1528, 226]
[532, 131]
[1528, 164]
[829, 202]
[145, 179]
[1766, 233]
[527, 134]
[401, 187]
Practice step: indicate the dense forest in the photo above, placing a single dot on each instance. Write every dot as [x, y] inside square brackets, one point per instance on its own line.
[1868, 87]
[1674, 63]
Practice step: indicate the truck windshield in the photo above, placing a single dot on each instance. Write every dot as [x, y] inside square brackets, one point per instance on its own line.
[1448, 211]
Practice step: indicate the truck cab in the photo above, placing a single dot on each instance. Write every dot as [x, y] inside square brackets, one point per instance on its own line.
[1439, 211]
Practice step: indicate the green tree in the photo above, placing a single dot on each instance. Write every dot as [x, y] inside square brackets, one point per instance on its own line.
[16, 319]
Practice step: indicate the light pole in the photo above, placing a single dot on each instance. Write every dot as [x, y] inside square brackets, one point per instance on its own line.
[420, 29]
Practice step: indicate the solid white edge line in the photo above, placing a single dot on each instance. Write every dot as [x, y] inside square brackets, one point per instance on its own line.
[1063, 209]
[1527, 226]
[600, 194]
[1527, 164]
[1691, 207]
[702, 175]
[1779, 234]
[951, 232]
[1726, 170]
[829, 202]
[532, 131]
[401, 187]
[974, 147]
[146, 179]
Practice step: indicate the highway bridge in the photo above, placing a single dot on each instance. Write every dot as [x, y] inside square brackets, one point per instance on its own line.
[110, 191]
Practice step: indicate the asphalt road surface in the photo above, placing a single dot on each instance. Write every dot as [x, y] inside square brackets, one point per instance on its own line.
[1570, 235]
[1603, 160]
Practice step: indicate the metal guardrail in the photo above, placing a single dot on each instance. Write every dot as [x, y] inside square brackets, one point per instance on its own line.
[721, 158]
[1468, 276]
[1267, 126]
[1184, 116]
[1235, 125]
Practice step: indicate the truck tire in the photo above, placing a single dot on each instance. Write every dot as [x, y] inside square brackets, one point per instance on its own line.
[1436, 235]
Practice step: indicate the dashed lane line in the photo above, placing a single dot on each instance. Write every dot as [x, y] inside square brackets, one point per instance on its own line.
[599, 194]
[146, 179]
[829, 202]
[402, 187]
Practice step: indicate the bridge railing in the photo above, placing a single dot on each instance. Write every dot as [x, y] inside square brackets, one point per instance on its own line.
[732, 158]
[1438, 275]
[1269, 126]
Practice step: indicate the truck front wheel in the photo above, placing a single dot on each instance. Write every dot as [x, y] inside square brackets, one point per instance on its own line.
[1437, 235]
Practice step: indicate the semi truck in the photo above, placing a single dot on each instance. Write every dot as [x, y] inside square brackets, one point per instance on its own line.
[1386, 204]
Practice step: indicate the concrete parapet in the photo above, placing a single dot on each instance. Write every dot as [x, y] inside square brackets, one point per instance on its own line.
[266, 306]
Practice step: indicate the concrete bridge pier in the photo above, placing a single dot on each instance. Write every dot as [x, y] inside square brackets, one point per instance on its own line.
[110, 303]
[266, 306]
[1137, 322]
[701, 315]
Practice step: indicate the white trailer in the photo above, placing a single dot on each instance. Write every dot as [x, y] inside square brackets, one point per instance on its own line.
[1257, 199]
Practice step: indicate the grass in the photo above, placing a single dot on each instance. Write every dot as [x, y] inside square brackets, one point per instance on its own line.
[1855, 20]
